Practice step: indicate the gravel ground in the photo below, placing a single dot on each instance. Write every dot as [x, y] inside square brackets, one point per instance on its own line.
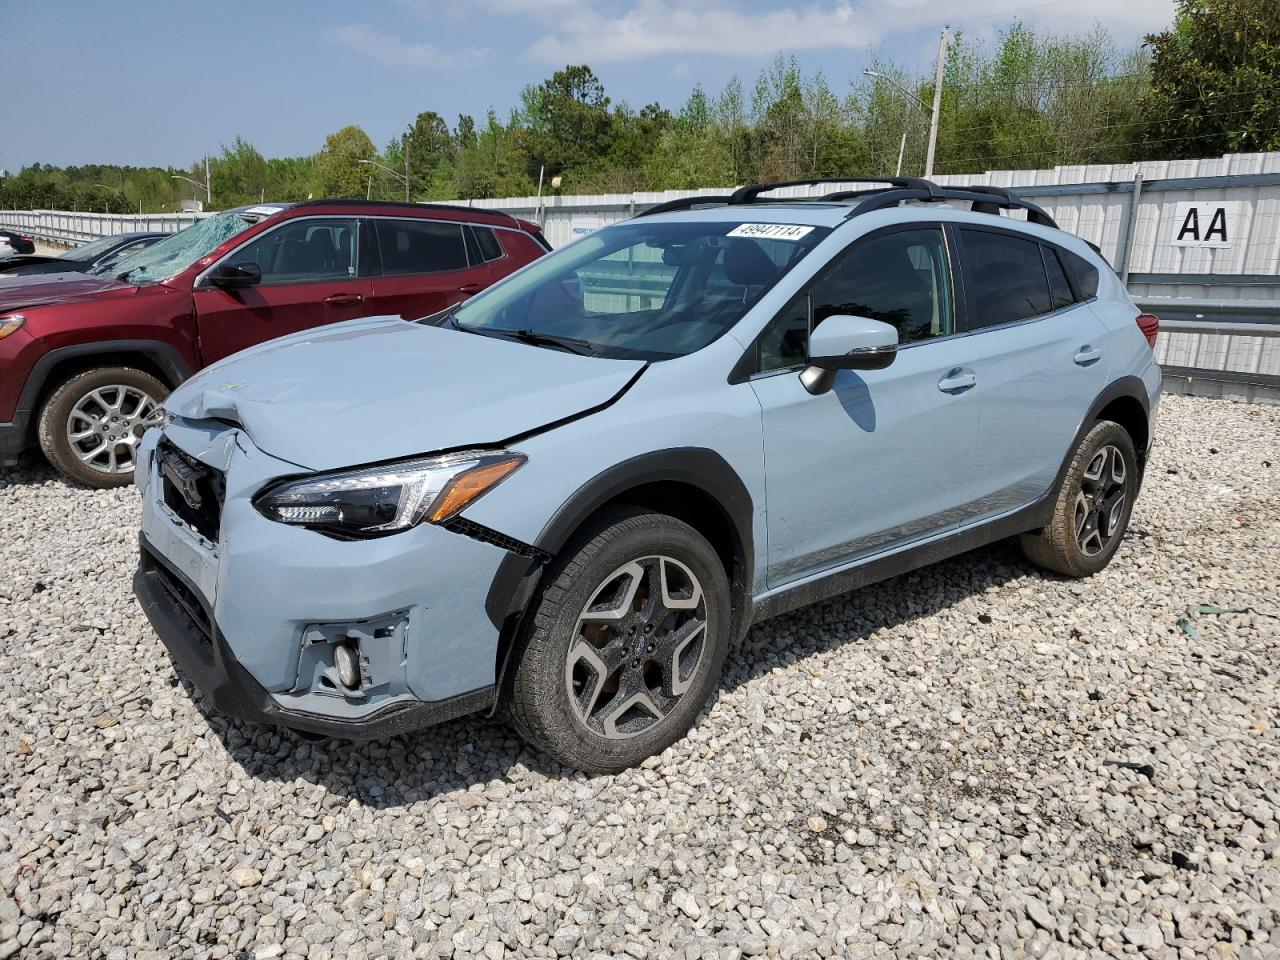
[974, 759]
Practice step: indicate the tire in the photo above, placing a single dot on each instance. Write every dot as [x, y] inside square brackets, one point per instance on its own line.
[113, 467]
[561, 705]
[1088, 522]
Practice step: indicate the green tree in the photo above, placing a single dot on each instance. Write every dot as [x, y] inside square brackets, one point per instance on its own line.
[239, 175]
[338, 172]
[568, 120]
[1215, 80]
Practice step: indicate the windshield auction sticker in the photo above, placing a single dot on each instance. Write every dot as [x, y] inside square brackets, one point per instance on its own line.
[770, 231]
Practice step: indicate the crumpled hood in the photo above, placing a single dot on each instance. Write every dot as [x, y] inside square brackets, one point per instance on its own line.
[381, 388]
[42, 288]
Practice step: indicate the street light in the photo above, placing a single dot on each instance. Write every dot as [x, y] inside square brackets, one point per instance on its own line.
[937, 105]
[206, 186]
[892, 82]
[911, 98]
[399, 176]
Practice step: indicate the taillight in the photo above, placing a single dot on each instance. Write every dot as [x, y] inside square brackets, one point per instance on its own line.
[1149, 324]
[27, 239]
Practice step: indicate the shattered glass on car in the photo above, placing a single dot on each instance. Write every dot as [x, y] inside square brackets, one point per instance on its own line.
[172, 255]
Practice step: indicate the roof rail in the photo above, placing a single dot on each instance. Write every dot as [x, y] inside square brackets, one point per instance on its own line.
[750, 193]
[684, 203]
[401, 204]
[1011, 201]
[983, 199]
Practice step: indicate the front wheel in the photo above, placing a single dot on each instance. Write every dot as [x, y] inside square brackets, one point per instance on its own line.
[90, 426]
[1092, 508]
[625, 645]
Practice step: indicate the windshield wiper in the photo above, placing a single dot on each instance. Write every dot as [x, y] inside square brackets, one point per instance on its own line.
[583, 348]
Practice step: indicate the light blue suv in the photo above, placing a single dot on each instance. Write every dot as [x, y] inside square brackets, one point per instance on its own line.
[567, 498]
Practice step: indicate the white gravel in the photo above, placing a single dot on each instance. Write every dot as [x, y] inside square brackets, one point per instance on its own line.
[973, 759]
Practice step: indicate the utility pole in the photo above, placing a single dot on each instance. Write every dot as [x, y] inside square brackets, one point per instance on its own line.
[406, 169]
[902, 147]
[937, 105]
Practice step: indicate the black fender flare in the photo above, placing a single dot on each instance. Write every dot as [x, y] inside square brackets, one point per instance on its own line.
[1130, 387]
[163, 355]
[518, 576]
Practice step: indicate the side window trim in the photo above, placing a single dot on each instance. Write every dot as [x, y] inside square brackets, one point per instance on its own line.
[748, 365]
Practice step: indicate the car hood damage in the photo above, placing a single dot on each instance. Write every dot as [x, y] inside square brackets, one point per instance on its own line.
[381, 389]
[21, 292]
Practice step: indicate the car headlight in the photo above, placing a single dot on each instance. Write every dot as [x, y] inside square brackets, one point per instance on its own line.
[375, 501]
[11, 324]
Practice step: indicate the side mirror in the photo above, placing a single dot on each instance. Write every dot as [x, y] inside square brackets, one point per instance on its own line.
[842, 342]
[234, 276]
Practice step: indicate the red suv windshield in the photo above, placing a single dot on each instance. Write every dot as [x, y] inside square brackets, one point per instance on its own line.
[172, 255]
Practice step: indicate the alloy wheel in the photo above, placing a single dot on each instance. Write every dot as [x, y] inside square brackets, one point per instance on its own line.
[1100, 501]
[637, 647]
[106, 425]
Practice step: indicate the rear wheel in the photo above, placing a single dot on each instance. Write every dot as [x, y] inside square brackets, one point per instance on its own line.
[1092, 508]
[626, 643]
[90, 426]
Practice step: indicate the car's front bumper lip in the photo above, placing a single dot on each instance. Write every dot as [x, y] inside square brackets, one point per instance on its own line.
[186, 626]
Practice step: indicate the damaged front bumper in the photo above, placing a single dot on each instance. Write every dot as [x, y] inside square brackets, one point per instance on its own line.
[201, 654]
[253, 611]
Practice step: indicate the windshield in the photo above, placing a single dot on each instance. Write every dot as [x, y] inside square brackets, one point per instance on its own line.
[641, 290]
[172, 255]
[91, 250]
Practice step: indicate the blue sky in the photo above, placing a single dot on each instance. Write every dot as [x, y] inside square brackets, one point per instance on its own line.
[142, 82]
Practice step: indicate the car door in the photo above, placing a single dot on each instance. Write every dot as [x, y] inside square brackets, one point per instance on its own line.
[1042, 363]
[886, 456]
[424, 267]
[311, 276]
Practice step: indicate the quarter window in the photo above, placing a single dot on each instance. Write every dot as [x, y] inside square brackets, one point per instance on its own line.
[420, 246]
[900, 278]
[1086, 275]
[490, 248]
[1006, 278]
[1059, 288]
[302, 251]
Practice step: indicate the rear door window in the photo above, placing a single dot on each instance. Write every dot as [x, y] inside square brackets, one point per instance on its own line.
[420, 246]
[1005, 279]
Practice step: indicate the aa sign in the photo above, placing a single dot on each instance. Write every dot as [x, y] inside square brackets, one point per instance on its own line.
[1212, 224]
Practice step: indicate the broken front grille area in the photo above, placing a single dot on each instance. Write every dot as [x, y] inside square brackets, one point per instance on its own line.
[191, 490]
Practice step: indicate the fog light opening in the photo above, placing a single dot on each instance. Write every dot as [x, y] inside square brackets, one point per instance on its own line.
[347, 659]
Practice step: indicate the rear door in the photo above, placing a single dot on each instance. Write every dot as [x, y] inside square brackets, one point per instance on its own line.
[425, 267]
[1042, 361]
[311, 276]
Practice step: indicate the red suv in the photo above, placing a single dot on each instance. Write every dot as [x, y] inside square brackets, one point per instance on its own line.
[86, 361]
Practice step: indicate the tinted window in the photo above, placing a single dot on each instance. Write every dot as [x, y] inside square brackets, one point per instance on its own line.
[900, 278]
[1085, 273]
[1006, 278]
[1059, 288]
[490, 249]
[302, 251]
[420, 246]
